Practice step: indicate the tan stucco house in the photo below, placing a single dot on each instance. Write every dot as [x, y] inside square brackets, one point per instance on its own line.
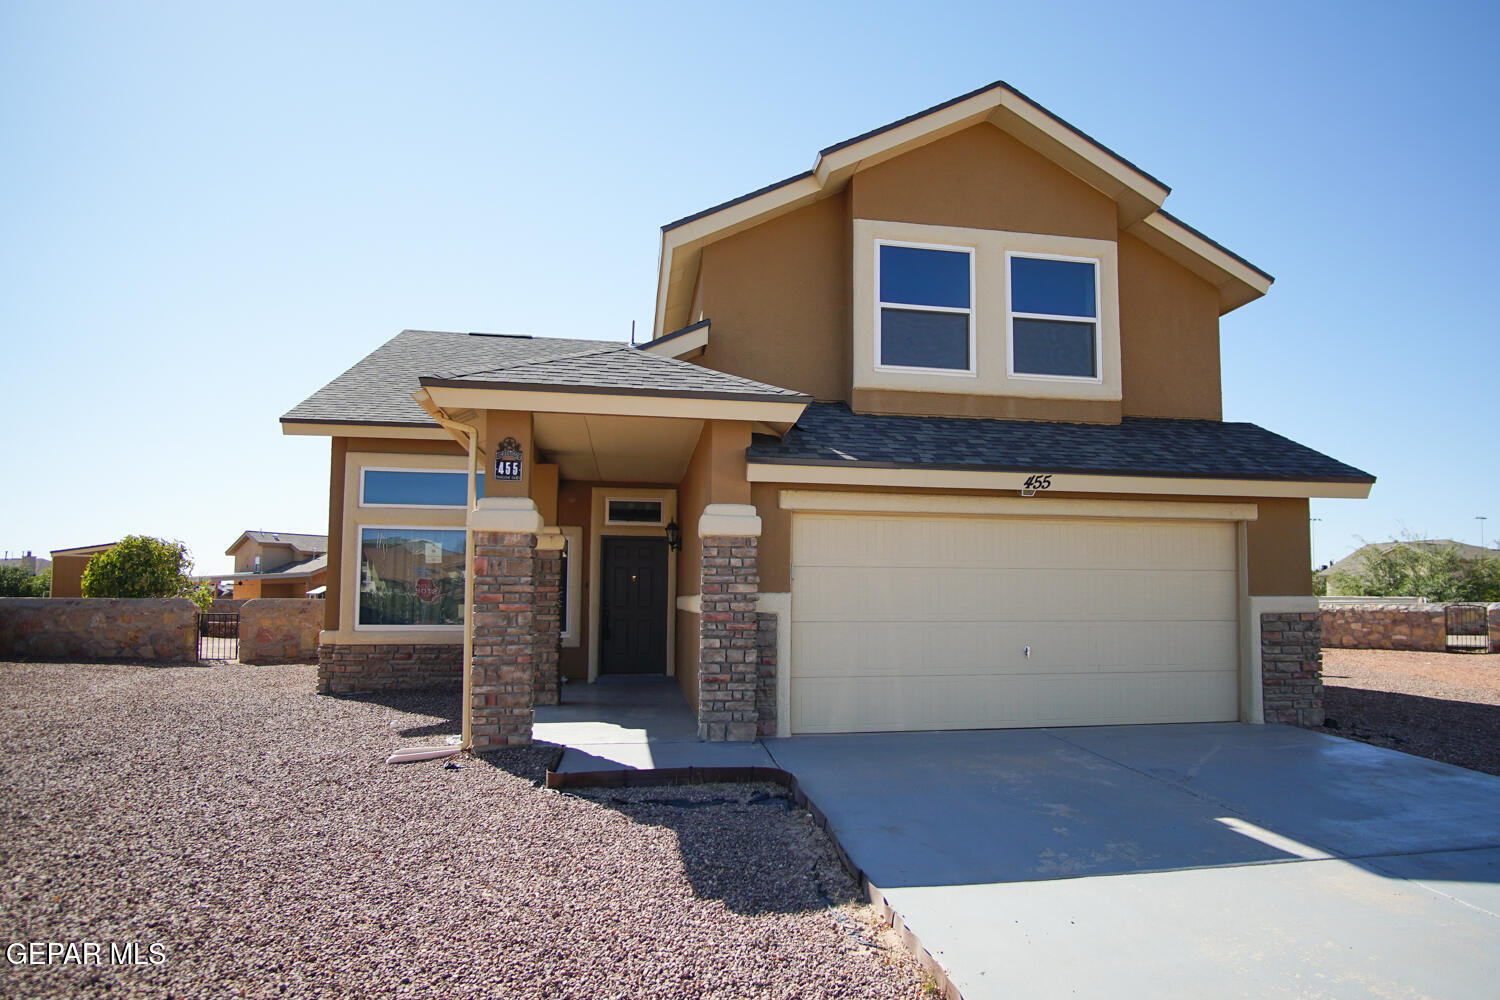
[278, 564]
[68, 566]
[928, 436]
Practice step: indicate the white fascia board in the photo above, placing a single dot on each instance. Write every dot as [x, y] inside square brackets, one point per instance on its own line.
[680, 345]
[959, 479]
[1237, 283]
[316, 429]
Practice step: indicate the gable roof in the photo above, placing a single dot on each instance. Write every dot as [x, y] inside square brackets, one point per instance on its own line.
[830, 434]
[1138, 195]
[300, 542]
[291, 571]
[378, 389]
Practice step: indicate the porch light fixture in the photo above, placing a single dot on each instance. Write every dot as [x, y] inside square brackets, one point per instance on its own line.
[674, 535]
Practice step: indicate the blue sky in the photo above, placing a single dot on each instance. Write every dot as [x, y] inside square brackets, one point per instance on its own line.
[210, 210]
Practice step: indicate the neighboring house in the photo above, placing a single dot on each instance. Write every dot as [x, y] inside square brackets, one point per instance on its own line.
[277, 564]
[1355, 561]
[938, 423]
[27, 562]
[68, 566]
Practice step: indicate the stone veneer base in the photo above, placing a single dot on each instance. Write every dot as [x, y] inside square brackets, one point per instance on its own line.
[1291, 667]
[347, 667]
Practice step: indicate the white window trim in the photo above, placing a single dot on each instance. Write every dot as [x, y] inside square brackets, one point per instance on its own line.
[359, 591]
[573, 546]
[881, 305]
[408, 506]
[1011, 315]
[661, 507]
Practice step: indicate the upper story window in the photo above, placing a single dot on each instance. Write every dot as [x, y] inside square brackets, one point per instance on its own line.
[925, 307]
[416, 488]
[1053, 316]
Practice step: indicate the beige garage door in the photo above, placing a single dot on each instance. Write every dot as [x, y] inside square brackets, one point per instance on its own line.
[907, 622]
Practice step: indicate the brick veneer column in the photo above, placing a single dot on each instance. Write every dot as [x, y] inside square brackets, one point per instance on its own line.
[1291, 667]
[503, 659]
[548, 616]
[728, 658]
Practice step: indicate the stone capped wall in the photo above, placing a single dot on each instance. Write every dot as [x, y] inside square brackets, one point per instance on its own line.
[280, 630]
[1291, 668]
[347, 667]
[1385, 626]
[729, 667]
[153, 630]
[765, 683]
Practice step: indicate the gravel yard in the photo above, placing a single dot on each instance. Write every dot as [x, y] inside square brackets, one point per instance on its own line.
[1445, 706]
[252, 829]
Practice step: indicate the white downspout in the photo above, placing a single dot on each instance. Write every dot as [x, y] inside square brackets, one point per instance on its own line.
[470, 433]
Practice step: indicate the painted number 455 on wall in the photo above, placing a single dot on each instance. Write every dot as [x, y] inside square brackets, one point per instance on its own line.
[1037, 483]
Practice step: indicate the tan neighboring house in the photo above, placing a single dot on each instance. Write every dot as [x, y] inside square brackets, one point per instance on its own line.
[928, 436]
[278, 564]
[28, 562]
[68, 566]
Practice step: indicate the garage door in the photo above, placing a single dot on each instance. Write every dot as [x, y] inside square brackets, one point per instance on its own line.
[908, 622]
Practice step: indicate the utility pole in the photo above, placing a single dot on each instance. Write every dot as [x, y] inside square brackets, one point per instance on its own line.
[1312, 536]
[1481, 519]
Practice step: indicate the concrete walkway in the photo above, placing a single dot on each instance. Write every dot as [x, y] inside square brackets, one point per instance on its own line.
[1163, 861]
[634, 723]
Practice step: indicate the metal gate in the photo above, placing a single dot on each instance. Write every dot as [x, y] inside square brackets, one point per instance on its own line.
[1468, 627]
[218, 636]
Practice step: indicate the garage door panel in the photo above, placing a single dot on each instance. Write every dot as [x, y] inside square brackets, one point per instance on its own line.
[1028, 543]
[844, 593]
[920, 622]
[839, 705]
[827, 649]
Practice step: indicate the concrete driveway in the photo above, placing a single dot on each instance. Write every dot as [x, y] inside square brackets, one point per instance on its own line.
[1172, 861]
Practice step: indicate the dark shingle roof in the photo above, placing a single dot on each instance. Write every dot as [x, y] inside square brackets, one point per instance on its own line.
[830, 434]
[619, 368]
[378, 389]
[298, 540]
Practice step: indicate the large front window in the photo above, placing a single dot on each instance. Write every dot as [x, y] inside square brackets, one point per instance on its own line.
[925, 312]
[411, 577]
[1054, 316]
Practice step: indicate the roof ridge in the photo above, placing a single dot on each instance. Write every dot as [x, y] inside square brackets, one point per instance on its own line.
[532, 362]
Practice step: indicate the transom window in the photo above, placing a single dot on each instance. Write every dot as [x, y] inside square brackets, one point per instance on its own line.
[633, 512]
[925, 307]
[1054, 316]
[416, 488]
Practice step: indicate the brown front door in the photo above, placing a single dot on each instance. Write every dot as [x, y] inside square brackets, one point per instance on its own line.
[633, 606]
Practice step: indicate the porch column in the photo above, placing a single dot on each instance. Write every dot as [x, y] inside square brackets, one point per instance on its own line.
[548, 616]
[503, 664]
[728, 658]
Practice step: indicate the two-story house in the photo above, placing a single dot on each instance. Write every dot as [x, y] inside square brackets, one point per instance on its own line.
[277, 564]
[928, 436]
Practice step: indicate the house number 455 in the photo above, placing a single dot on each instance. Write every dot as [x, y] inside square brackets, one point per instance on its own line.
[1037, 483]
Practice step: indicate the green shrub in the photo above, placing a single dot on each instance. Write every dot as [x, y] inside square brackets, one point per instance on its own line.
[16, 582]
[1439, 574]
[140, 566]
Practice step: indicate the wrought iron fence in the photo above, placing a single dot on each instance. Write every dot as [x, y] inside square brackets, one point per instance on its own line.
[218, 636]
[1468, 626]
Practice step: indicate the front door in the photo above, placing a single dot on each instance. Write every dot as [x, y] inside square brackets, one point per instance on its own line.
[633, 606]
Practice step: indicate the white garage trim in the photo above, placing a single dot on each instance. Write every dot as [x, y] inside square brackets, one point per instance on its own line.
[918, 503]
[1062, 482]
[912, 621]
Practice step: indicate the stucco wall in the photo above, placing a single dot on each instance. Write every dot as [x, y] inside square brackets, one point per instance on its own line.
[67, 575]
[90, 629]
[982, 177]
[280, 631]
